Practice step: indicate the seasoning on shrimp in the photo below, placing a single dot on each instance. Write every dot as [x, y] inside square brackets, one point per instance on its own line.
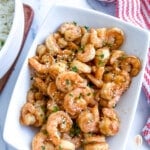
[79, 74]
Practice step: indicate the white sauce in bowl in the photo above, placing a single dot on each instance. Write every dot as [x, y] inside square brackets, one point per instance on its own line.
[6, 19]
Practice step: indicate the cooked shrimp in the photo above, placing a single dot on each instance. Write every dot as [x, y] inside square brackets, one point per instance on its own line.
[32, 114]
[110, 91]
[88, 120]
[109, 122]
[69, 80]
[27, 116]
[101, 33]
[74, 103]
[96, 146]
[65, 26]
[55, 94]
[109, 76]
[87, 53]
[77, 140]
[47, 59]
[71, 31]
[102, 56]
[72, 34]
[37, 66]
[77, 100]
[85, 39]
[41, 141]
[80, 67]
[40, 84]
[65, 55]
[131, 64]
[52, 45]
[95, 40]
[58, 123]
[116, 57]
[52, 107]
[120, 77]
[65, 145]
[99, 72]
[57, 35]
[105, 103]
[31, 96]
[72, 46]
[39, 96]
[41, 50]
[57, 68]
[94, 138]
[40, 107]
[74, 136]
[95, 81]
[62, 42]
[95, 142]
[115, 38]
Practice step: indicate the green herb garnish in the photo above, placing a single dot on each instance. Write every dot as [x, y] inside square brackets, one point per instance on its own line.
[80, 95]
[107, 44]
[101, 56]
[74, 68]
[81, 49]
[101, 63]
[88, 94]
[55, 109]
[42, 147]
[122, 57]
[60, 148]
[71, 95]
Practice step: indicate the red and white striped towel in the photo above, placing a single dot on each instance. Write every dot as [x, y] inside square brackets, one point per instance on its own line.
[135, 11]
[138, 13]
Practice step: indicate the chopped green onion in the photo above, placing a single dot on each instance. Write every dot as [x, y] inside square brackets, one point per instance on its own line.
[74, 68]
[42, 147]
[81, 49]
[55, 109]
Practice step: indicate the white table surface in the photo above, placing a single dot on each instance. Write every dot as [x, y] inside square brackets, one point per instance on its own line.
[41, 8]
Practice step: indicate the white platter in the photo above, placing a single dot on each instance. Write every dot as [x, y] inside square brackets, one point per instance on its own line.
[136, 43]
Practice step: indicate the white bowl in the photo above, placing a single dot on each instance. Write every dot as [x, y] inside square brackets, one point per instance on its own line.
[136, 43]
[11, 48]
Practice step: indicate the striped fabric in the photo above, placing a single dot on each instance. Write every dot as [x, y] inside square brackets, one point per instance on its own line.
[135, 11]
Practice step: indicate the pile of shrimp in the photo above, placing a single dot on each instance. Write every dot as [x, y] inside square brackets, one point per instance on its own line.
[78, 75]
